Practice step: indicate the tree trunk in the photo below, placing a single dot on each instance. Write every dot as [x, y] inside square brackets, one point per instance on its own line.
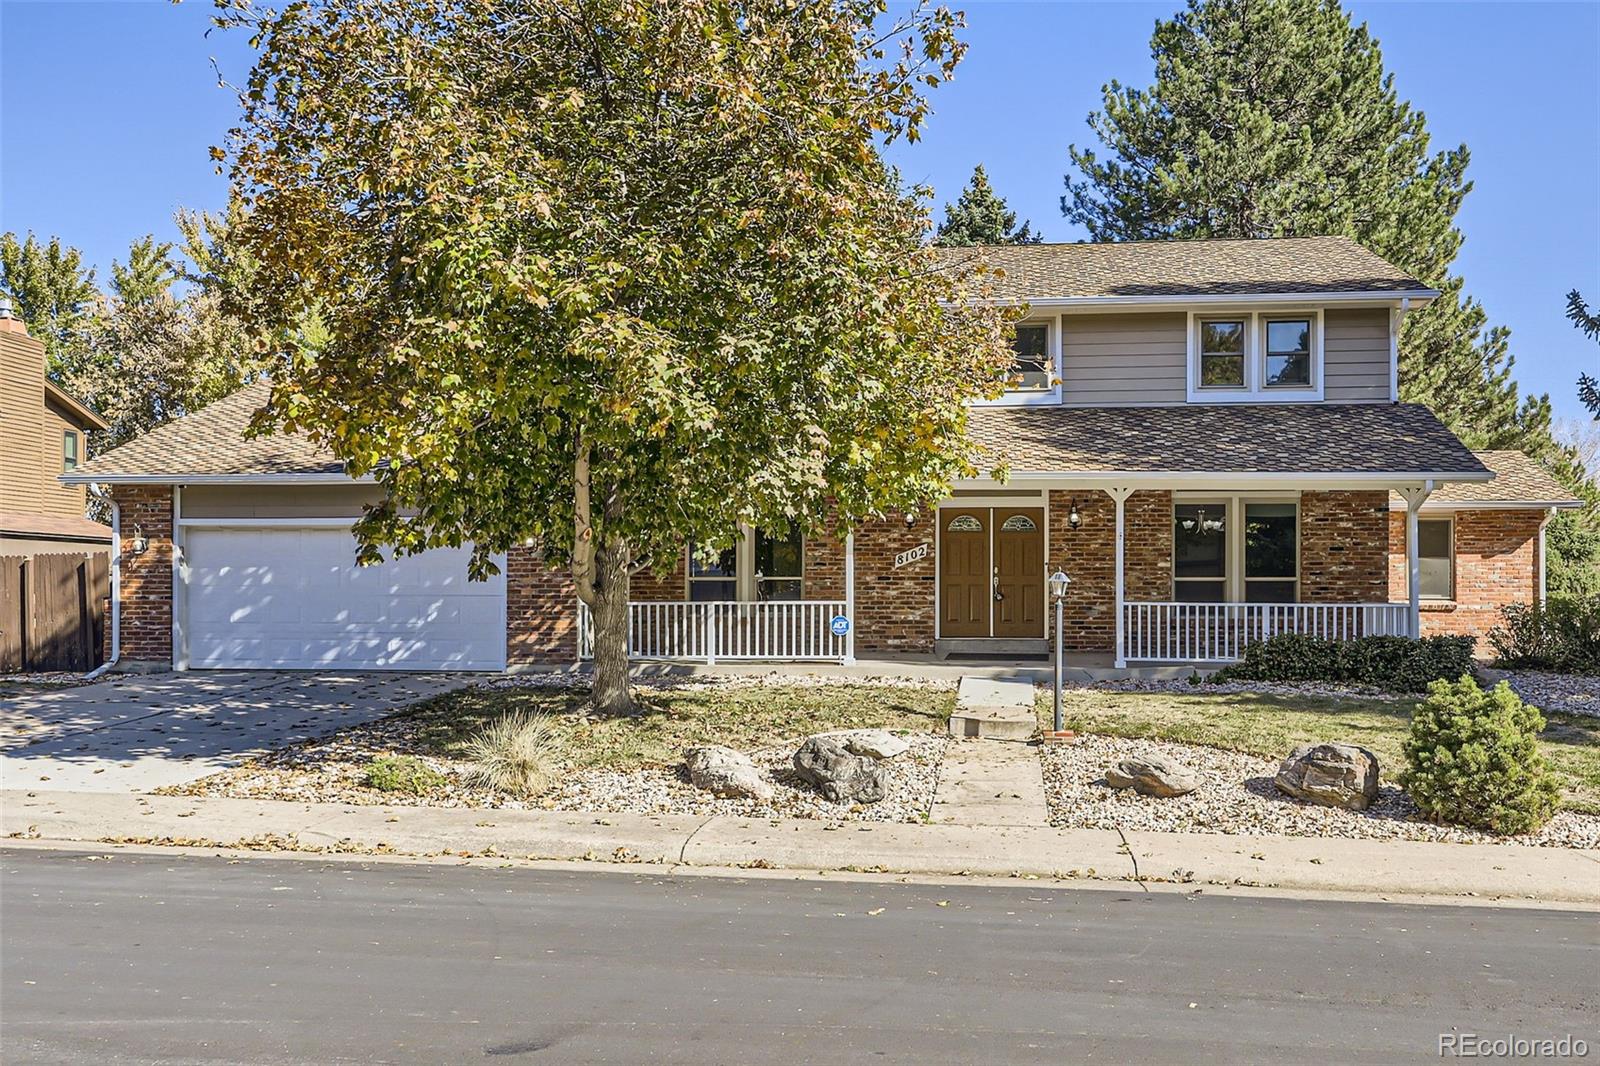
[611, 574]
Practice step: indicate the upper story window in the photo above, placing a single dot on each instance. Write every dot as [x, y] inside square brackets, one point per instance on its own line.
[1222, 353]
[1034, 363]
[69, 451]
[1288, 352]
[1255, 357]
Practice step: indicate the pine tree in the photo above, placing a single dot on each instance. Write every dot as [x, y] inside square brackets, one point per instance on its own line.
[149, 273]
[1588, 323]
[980, 216]
[1277, 119]
[52, 291]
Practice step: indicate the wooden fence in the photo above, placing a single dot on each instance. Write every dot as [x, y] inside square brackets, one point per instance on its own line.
[52, 611]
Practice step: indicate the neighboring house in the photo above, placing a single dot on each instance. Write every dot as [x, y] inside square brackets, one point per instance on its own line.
[43, 435]
[1205, 436]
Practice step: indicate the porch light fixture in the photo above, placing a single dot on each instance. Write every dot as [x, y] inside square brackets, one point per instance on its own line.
[911, 519]
[1058, 592]
[1074, 520]
[140, 543]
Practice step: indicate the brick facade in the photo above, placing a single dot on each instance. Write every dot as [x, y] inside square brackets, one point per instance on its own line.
[1496, 563]
[1344, 555]
[1086, 555]
[895, 609]
[541, 611]
[146, 625]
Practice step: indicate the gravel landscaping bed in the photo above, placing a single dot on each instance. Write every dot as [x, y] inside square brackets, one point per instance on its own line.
[1568, 693]
[332, 771]
[1237, 796]
[1206, 688]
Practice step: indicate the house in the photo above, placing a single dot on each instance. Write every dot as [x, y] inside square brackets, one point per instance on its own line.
[43, 435]
[1205, 436]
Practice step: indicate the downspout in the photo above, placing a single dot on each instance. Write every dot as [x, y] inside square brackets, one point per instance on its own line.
[1394, 348]
[116, 583]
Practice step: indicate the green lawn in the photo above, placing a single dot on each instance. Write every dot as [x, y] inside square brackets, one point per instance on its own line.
[669, 720]
[1271, 725]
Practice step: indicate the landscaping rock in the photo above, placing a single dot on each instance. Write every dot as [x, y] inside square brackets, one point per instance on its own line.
[725, 772]
[825, 764]
[1333, 775]
[874, 743]
[1153, 776]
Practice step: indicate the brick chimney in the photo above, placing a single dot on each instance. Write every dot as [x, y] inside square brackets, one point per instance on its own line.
[9, 322]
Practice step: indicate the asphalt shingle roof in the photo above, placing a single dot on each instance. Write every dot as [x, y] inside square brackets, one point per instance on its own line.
[1223, 439]
[1185, 268]
[212, 441]
[1517, 479]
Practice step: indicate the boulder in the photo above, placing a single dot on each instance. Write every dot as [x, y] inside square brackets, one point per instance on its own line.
[1151, 775]
[874, 743]
[825, 764]
[725, 772]
[1333, 775]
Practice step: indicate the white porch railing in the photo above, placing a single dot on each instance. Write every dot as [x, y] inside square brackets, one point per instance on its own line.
[1218, 632]
[707, 632]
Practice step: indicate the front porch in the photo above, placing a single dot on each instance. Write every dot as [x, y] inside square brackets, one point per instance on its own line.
[1165, 575]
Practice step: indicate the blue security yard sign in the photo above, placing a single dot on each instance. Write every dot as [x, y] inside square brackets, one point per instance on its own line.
[840, 625]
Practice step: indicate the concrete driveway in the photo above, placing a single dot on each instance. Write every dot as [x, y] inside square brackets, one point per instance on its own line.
[134, 733]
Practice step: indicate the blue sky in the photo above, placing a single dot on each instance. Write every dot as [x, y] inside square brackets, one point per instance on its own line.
[107, 111]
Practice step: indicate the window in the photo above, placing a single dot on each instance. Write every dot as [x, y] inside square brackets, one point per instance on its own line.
[1270, 563]
[69, 451]
[779, 565]
[1018, 523]
[1222, 353]
[964, 523]
[1200, 552]
[1034, 365]
[1288, 352]
[1436, 559]
[714, 573]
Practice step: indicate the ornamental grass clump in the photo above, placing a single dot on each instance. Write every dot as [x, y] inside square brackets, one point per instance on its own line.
[516, 753]
[1473, 759]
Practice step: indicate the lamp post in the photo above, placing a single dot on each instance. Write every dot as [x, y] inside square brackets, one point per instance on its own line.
[1058, 592]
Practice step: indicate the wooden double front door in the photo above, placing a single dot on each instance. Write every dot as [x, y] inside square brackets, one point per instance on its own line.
[991, 572]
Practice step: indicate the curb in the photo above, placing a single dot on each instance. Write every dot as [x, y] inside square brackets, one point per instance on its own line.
[1309, 864]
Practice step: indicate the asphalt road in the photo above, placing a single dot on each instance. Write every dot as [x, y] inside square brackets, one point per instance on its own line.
[157, 958]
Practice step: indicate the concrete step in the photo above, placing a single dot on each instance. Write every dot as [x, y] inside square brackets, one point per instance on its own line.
[945, 647]
[998, 708]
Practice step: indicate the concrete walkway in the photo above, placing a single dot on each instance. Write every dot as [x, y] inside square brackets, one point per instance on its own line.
[133, 732]
[988, 782]
[1392, 869]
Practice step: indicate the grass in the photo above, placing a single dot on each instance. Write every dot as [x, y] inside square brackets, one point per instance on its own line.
[668, 721]
[1271, 725]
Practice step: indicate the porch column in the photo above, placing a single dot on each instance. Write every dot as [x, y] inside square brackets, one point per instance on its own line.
[1414, 496]
[1120, 496]
[850, 597]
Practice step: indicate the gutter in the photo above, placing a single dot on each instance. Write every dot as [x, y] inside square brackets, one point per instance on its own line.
[116, 584]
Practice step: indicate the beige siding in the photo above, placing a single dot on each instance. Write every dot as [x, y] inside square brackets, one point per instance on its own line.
[1123, 358]
[21, 423]
[1356, 355]
[69, 500]
[278, 501]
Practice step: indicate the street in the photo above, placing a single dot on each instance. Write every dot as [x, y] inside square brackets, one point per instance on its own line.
[130, 957]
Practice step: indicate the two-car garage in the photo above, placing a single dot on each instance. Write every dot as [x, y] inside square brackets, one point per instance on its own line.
[273, 593]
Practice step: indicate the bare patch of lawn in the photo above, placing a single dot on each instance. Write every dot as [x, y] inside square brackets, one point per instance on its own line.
[1270, 725]
[743, 717]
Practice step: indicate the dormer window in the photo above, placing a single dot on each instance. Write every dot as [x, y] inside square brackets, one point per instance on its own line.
[1033, 366]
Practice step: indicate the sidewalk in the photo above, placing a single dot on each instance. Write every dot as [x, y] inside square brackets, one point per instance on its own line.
[1389, 868]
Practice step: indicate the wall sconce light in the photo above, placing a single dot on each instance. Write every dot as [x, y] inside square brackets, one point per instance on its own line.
[911, 519]
[140, 543]
[1074, 519]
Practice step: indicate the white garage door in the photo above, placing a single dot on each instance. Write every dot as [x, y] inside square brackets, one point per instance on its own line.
[264, 598]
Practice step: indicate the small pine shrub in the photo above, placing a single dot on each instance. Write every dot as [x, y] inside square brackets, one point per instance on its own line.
[402, 773]
[1397, 664]
[1473, 759]
[516, 753]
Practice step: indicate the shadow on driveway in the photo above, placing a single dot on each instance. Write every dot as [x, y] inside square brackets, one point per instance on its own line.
[133, 733]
